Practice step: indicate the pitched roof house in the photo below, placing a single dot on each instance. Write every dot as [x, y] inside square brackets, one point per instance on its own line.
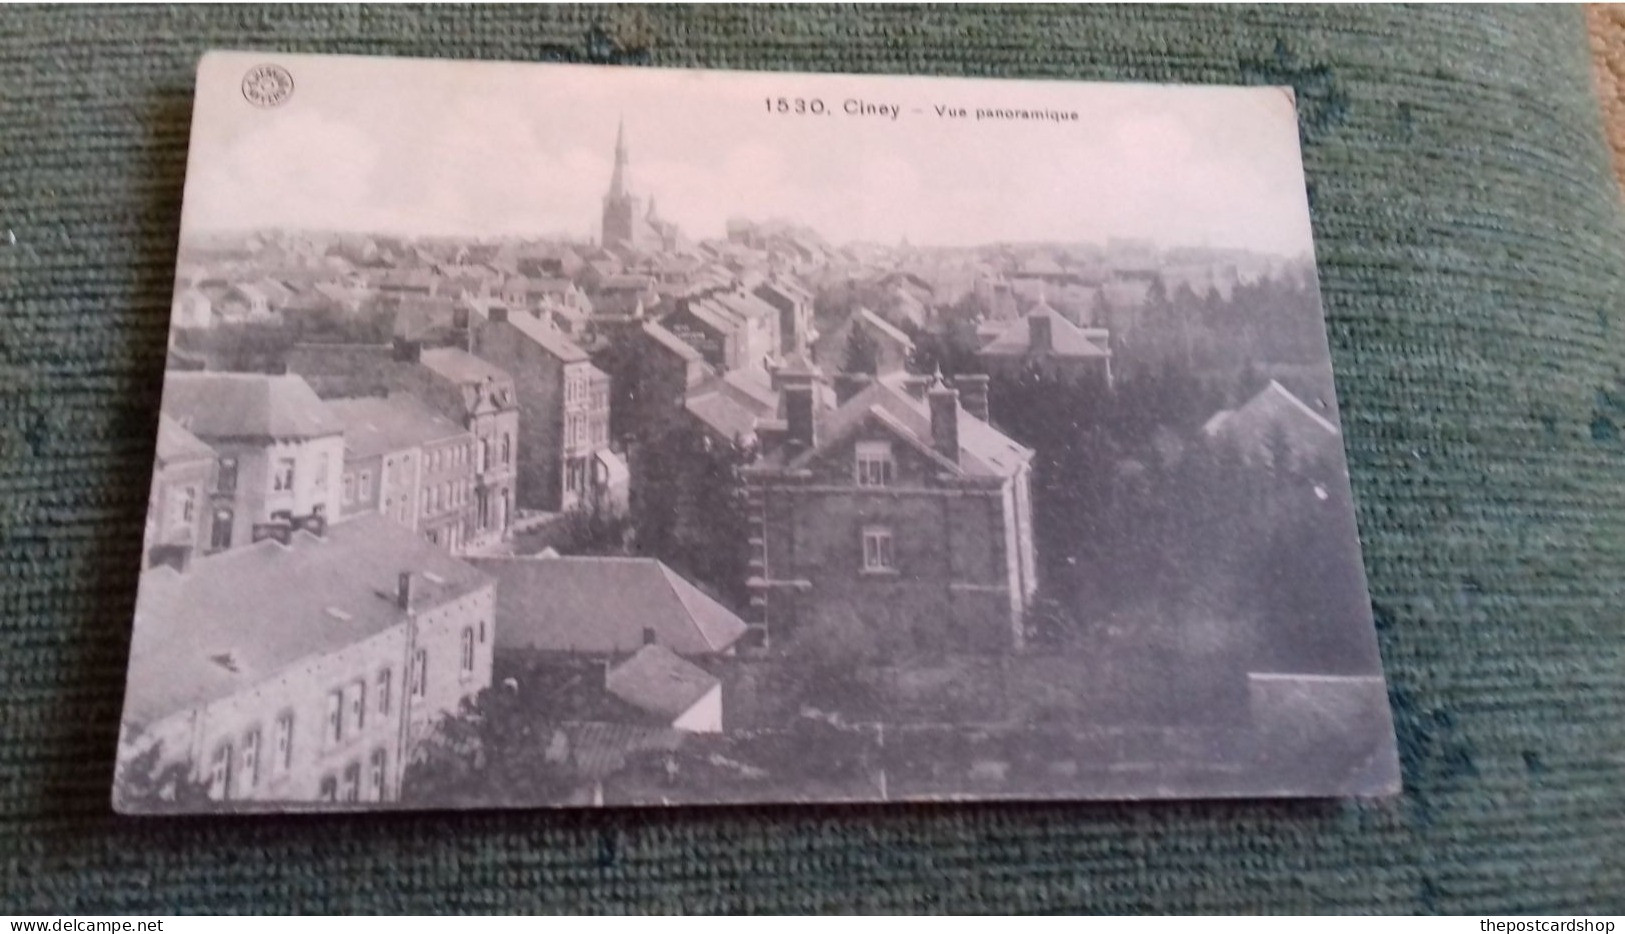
[605, 606]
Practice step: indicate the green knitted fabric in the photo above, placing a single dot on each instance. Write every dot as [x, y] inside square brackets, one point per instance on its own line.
[1472, 251]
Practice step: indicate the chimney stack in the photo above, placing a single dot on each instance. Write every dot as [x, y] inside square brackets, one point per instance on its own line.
[973, 393]
[648, 635]
[408, 350]
[848, 385]
[403, 591]
[800, 432]
[945, 420]
[1039, 337]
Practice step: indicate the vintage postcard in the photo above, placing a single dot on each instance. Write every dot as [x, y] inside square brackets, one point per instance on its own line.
[555, 436]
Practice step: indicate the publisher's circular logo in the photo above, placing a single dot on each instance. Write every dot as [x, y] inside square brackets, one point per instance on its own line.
[267, 85]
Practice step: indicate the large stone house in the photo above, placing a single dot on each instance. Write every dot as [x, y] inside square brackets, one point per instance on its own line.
[473, 393]
[898, 511]
[280, 452]
[304, 672]
[406, 461]
[564, 457]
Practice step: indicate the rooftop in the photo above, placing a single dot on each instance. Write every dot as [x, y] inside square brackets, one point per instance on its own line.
[601, 606]
[247, 405]
[177, 445]
[1066, 338]
[376, 425]
[239, 617]
[544, 335]
[461, 367]
[658, 681]
[1305, 432]
[984, 451]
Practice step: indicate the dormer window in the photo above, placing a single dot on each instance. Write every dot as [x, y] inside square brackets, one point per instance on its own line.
[875, 466]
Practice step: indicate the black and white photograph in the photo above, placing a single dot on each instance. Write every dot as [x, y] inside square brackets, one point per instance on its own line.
[567, 436]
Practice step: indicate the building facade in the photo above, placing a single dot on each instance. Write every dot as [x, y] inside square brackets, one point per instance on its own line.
[468, 391]
[898, 512]
[178, 512]
[280, 452]
[406, 461]
[564, 457]
[264, 676]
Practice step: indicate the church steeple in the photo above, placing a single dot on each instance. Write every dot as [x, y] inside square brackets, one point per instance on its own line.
[619, 182]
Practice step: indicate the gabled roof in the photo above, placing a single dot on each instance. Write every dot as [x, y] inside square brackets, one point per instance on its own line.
[665, 338]
[1066, 338]
[237, 618]
[376, 425]
[786, 289]
[658, 681]
[984, 451]
[247, 405]
[1305, 432]
[711, 315]
[601, 605]
[547, 337]
[886, 328]
[743, 304]
[461, 367]
[177, 445]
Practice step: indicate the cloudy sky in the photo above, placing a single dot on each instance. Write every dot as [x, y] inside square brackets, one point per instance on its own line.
[430, 147]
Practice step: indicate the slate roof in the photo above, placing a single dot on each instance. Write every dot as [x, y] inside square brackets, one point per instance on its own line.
[1306, 432]
[257, 406]
[984, 451]
[665, 338]
[658, 681]
[177, 445]
[547, 337]
[376, 425]
[239, 617]
[743, 305]
[460, 367]
[601, 605]
[1066, 338]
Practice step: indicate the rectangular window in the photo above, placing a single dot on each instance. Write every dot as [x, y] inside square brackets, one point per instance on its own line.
[349, 488]
[420, 673]
[877, 549]
[335, 717]
[875, 466]
[322, 464]
[358, 704]
[250, 776]
[352, 782]
[220, 772]
[363, 486]
[426, 493]
[385, 690]
[282, 477]
[226, 479]
[330, 789]
[284, 741]
[188, 504]
[468, 650]
[375, 777]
